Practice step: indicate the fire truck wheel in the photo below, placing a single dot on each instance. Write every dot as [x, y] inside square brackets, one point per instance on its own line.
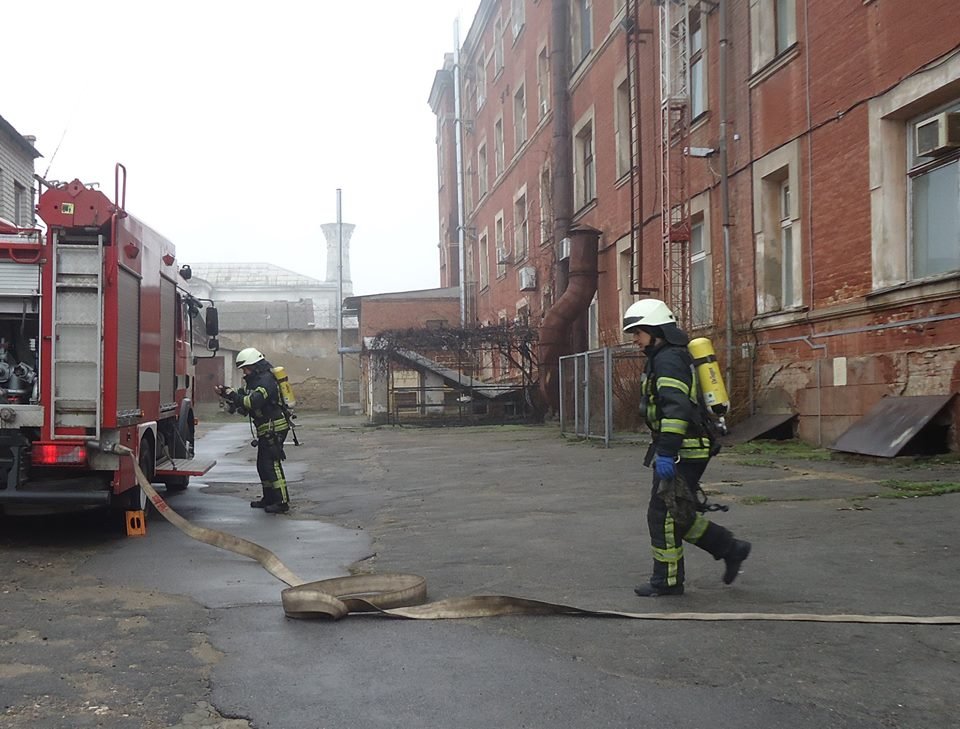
[148, 464]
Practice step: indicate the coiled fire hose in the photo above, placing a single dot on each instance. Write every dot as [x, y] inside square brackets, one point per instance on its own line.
[405, 595]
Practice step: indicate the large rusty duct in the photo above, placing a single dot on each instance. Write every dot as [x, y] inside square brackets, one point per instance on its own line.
[581, 279]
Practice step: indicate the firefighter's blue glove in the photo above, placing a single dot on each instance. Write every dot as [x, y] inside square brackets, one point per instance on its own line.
[665, 467]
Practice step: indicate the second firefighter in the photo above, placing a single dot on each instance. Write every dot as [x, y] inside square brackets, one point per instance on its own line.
[260, 399]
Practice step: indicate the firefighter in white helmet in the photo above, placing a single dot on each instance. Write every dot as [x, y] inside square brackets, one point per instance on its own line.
[260, 399]
[681, 447]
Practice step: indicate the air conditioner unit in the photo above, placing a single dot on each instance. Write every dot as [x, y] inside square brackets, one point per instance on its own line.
[564, 252]
[503, 255]
[938, 134]
[528, 278]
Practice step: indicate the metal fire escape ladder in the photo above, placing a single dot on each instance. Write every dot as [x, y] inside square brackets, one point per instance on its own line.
[635, 39]
[674, 130]
[76, 347]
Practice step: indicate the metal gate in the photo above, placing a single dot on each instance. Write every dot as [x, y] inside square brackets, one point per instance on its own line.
[600, 393]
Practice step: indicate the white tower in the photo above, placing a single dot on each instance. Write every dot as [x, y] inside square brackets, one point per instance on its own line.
[331, 231]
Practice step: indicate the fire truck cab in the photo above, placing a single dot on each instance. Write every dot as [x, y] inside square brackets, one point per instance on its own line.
[96, 350]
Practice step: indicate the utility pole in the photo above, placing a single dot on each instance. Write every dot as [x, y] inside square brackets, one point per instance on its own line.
[339, 303]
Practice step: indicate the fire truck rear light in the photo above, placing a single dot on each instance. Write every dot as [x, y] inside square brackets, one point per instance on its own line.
[55, 454]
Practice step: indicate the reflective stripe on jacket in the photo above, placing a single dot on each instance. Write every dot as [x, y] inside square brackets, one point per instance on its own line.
[670, 394]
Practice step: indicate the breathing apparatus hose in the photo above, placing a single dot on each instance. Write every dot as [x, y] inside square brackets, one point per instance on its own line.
[405, 595]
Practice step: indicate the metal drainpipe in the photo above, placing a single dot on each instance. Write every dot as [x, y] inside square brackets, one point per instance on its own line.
[458, 141]
[725, 191]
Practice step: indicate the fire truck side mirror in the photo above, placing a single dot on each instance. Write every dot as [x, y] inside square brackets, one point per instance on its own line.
[213, 344]
[213, 322]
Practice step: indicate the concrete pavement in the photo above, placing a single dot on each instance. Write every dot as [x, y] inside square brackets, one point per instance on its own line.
[508, 510]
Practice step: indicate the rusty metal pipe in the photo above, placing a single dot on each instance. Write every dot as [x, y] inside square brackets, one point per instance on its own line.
[557, 324]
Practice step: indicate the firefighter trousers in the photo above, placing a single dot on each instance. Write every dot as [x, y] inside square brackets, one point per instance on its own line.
[665, 538]
[270, 457]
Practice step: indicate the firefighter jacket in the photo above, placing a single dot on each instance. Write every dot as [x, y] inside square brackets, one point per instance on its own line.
[260, 399]
[670, 403]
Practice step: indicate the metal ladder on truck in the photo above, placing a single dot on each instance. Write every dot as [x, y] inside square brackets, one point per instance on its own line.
[77, 350]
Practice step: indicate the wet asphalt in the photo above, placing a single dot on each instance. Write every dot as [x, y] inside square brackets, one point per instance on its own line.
[159, 631]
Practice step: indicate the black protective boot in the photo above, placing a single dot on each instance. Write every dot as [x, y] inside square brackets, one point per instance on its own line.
[265, 500]
[739, 551]
[279, 507]
[649, 590]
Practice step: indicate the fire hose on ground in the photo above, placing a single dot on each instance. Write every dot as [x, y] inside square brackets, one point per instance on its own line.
[405, 595]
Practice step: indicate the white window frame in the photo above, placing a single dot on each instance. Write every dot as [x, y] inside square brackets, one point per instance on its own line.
[499, 155]
[623, 126]
[773, 30]
[776, 275]
[483, 165]
[499, 241]
[698, 63]
[581, 31]
[888, 121]
[481, 71]
[919, 168]
[520, 116]
[543, 82]
[497, 46]
[546, 215]
[521, 225]
[518, 17]
[584, 161]
[484, 249]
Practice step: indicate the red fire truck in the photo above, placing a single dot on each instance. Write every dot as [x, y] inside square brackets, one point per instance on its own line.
[96, 350]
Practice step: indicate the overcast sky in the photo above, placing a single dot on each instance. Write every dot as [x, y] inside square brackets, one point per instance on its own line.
[237, 121]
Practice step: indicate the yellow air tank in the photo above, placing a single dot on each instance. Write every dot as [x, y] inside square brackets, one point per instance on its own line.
[709, 377]
[285, 389]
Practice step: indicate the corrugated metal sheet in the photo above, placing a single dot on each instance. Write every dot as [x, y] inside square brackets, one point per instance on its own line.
[891, 425]
[756, 426]
[19, 279]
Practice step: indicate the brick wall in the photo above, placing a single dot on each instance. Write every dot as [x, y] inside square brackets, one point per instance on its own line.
[851, 52]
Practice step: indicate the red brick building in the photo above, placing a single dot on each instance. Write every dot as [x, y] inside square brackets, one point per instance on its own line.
[811, 170]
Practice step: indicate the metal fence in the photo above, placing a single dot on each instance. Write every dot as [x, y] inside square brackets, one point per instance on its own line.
[600, 394]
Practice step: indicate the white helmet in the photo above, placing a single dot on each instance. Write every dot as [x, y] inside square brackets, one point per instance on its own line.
[647, 313]
[249, 356]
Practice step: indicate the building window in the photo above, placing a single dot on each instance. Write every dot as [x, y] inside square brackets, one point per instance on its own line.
[581, 28]
[785, 18]
[546, 220]
[777, 230]
[518, 17]
[773, 30]
[440, 152]
[498, 148]
[593, 324]
[497, 46]
[502, 255]
[786, 243]
[481, 79]
[934, 190]
[543, 84]
[698, 85]
[20, 217]
[484, 260]
[520, 228]
[624, 127]
[699, 275]
[520, 117]
[585, 183]
[482, 170]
